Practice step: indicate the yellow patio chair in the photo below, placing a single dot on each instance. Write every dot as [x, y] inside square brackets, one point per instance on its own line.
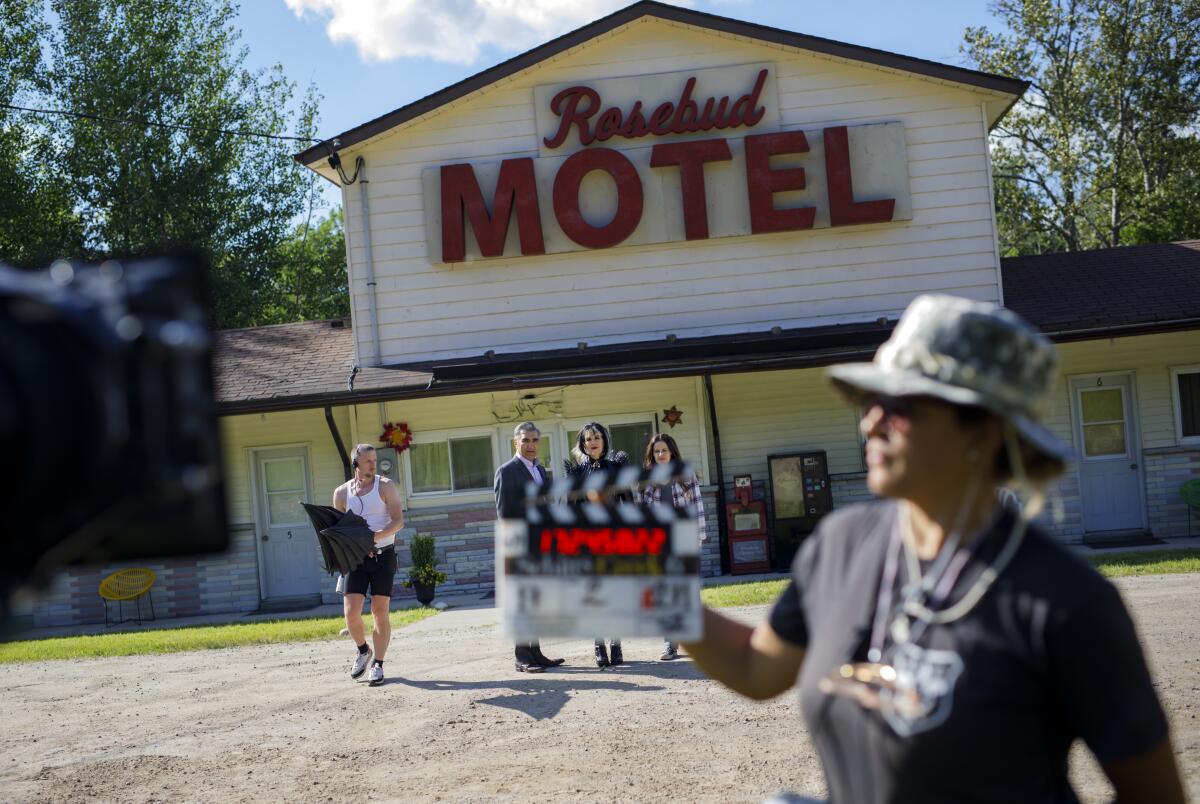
[128, 584]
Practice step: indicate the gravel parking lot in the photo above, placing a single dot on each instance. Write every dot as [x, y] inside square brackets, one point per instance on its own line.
[455, 722]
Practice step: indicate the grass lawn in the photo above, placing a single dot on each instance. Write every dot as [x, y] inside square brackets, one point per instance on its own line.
[196, 637]
[1112, 565]
[1149, 562]
[202, 637]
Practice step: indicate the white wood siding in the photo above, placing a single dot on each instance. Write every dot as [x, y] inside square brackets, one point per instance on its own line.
[1149, 357]
[304, 428]
[712, 287]
[770, 412]
[364, 423]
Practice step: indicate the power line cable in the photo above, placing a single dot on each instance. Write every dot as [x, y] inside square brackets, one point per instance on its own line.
[172, 126]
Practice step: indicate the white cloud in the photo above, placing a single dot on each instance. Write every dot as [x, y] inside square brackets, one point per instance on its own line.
[452, 31]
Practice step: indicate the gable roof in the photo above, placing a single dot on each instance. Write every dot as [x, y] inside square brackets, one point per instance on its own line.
[1077, 295]
[699, 19]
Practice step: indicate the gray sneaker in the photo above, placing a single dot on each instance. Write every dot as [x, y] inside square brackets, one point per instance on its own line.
[375, 677]
[669, 652]
[361, 660]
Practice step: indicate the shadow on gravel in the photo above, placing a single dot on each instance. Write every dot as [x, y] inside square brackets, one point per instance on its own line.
[680, 668]
[541, 698]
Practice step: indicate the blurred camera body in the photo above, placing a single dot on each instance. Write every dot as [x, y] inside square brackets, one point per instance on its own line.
[107, 417]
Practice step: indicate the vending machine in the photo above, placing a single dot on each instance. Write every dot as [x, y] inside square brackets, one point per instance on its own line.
[800, 496]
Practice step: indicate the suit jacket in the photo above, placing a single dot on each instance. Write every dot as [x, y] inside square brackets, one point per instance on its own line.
[511, 479]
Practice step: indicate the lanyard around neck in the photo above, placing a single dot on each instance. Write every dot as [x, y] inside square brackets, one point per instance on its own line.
[937, 590]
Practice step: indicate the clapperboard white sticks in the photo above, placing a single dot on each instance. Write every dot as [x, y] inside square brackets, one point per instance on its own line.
[581, 563]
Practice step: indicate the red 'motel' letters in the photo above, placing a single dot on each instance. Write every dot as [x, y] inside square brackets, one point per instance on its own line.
[629, 197]
[691, 156]
[461, 197]
[762, 182]
[516, 187]
[843, 209]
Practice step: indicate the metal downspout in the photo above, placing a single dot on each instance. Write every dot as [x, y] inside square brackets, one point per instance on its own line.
[370, 260]
[337, 440]
[722, 525]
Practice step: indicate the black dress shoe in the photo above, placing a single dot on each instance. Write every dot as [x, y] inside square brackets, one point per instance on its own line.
[545, 661]
[617, 656]
[601, 655]
[525, 667]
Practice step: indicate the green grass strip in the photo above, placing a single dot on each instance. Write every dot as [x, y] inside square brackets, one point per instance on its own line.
[753, 593]
[266, 632]
[194, 637]
[1111, 565]
[1147, 562]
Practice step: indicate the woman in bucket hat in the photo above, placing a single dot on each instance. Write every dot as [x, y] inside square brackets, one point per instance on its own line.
[946, 649]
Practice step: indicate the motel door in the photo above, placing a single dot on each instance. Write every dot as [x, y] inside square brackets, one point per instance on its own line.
[1110, 476]
[288, 546]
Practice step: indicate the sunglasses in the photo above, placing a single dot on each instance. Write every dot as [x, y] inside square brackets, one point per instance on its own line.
[894, 408]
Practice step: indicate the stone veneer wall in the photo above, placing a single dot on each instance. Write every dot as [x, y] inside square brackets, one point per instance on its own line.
[465, 541]
[849, 488]
[1168, 468]
[184, 587]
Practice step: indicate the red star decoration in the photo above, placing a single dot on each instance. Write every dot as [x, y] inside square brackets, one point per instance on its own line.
[672, 417]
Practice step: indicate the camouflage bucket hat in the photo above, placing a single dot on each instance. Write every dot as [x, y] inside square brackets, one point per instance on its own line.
[967, 353]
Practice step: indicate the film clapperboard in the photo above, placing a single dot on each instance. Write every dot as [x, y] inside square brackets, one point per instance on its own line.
[583, 564]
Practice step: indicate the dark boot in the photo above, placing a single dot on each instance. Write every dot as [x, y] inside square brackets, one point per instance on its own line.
[543, 659]
[601, 655]
[615, 653]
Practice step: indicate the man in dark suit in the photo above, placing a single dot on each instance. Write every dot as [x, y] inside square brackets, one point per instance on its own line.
[511, 480]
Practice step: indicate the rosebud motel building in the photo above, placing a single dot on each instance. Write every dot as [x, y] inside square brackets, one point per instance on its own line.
[667, 221]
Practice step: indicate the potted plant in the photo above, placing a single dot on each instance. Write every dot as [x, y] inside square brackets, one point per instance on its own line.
[423, 575]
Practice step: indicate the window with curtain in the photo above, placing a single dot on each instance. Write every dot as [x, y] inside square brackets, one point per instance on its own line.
[457, 464]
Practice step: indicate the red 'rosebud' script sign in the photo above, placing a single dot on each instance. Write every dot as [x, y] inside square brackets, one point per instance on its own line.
[576, 106]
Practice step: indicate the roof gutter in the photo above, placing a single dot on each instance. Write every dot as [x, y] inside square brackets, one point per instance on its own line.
[1122, 330]
[582, 377]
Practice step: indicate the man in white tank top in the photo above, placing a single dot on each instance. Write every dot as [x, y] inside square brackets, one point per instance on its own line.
[377, 500]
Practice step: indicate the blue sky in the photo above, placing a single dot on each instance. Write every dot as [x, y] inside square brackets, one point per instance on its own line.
[368, 58]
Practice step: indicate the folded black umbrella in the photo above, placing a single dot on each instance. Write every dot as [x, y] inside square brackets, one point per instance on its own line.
[344, 538]
[323, 516]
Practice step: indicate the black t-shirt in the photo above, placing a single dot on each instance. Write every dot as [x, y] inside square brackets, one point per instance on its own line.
[1047, 655]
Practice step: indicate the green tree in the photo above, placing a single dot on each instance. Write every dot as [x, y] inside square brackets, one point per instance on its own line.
[37, 222]
[312, 281]
[174, 143]
[1101, 150]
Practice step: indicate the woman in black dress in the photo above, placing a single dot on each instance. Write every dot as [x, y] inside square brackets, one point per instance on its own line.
[592, 453]
[947, 650]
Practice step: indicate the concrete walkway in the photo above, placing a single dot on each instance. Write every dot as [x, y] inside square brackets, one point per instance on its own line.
[469, 610]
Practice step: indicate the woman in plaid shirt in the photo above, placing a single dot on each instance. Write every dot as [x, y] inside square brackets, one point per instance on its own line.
[663, 449]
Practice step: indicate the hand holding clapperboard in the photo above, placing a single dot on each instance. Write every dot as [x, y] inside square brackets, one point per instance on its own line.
[579, 564]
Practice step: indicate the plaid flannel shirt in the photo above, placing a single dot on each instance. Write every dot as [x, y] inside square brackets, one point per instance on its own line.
[680, 498]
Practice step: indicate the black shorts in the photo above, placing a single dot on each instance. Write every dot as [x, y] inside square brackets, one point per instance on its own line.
[377, 574]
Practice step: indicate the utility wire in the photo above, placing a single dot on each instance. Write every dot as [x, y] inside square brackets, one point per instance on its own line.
[173, 126]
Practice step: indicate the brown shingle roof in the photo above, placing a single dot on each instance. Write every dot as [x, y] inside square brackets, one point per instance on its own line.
[1080, 294]
[294, 365]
